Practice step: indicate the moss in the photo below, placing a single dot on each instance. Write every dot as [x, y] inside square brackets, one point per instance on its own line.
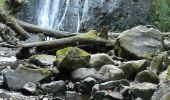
[156, 64]
[43, 71]
[72, 56]
[89, 35]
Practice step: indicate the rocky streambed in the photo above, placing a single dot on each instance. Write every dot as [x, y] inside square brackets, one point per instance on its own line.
[136, 68]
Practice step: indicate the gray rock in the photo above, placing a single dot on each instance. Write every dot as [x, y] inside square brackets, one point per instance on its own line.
[54, 87]
[112, 72]
[72, 58]
[98, 60]
[99, 95]
[162, 91]
[139, 42]
[16, 79]
[113, 84]
[30, 87]
[131, 68]
[42, 60]
[162, 76]
[143, 90]
[147, 76]
[82, 73]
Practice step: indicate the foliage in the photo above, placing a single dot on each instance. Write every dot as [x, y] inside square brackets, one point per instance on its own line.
[2, 3]
[161, 14]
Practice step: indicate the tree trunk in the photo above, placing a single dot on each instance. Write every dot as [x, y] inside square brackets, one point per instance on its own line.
[49, 32]
[10, 21]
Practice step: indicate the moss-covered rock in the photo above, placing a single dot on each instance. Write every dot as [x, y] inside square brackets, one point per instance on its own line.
[42, 60]
[139, 42]
[16, 79]
[89, 35]
[72, 58]
[131, 68]
[168, 73]
[147, 76]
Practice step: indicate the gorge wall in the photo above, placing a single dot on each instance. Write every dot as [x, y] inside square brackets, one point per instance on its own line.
[84, 15]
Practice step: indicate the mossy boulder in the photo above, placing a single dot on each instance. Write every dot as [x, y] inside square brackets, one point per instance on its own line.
[42, 60]
[147, 76]
[89, 35]
[131, 68]
[16, 79]
[72, 58]
[139, 42]
[168, 73]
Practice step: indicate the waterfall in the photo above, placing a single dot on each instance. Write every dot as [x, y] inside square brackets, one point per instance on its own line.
[67, 4]
[48, 12]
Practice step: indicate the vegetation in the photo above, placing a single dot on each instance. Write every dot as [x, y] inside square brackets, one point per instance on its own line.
[161, 14]
[2, 3]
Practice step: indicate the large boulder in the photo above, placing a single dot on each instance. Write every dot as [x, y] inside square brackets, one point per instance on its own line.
[131, 68]
[16, 79]
[98, 60]
[72, 58]
[112, 72]
[139, 42]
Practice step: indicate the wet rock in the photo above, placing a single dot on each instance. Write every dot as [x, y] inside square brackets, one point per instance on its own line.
[42, 60]
[113, 84]
[142, 90]
[139, 42]
[98, 60]
[111, 72]
[54, 87]
[72, 58]
[16, 79]
[82, 73]
[147, 76]
[30, 87]
[131, 68]
[162, 76]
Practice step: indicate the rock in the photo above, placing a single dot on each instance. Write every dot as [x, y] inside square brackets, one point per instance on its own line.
[143, 90]
[113, 84]
[30, 87]
[131, 68]
[98, 60]
[54, 87]
[166, 96]
[162, 91]
[82, 73]
[168, 73]
[162, 76]
[139, 42]
[42, 60]
[16, 79]
[160, 62]
[147, 76]
[112, 72]
[72, 58]
[86, 85]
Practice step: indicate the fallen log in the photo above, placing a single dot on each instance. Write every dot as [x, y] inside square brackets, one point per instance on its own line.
[49, 32]
[10, 21]
[70, 41]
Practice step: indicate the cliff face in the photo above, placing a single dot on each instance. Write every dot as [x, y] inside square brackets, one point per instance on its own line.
[83, 15]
